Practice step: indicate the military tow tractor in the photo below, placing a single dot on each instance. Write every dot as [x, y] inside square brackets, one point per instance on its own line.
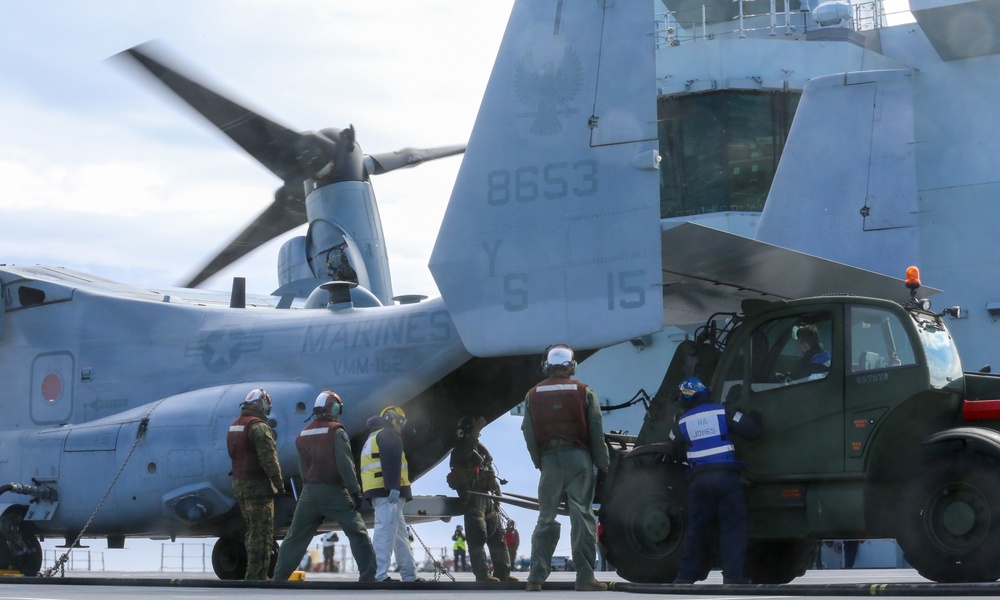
[891, 439]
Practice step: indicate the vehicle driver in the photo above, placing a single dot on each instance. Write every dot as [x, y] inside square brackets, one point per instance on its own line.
[815, 359]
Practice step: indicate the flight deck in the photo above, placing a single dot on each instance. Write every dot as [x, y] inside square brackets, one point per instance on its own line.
[814, 584]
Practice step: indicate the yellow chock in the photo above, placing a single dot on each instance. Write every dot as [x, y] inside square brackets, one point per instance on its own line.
[10, 573]
[297, 576]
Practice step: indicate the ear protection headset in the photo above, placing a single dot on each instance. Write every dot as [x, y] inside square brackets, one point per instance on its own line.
[258, 395]
[558, 356]
[393, 415]
[329, 402]
[464, 427]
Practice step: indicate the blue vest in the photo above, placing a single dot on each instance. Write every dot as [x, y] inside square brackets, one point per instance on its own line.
[704, 426]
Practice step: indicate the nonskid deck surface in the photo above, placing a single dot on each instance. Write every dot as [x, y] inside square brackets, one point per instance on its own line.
[826, 583]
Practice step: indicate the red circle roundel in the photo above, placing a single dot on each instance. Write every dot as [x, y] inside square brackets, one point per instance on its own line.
[51, 387]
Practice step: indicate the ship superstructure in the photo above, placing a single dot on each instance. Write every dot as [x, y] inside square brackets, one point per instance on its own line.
[837, 129]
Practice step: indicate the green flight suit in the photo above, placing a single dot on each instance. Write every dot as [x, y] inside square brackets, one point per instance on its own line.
[567, 469]
[321, 502]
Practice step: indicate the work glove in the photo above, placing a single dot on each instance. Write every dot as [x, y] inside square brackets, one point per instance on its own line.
[393, 496]
[358, 500]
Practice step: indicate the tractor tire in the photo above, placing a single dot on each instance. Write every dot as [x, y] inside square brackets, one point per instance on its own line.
[19, 549]
[643, 520]
[31, 563]
[778, 561]
[951, 520]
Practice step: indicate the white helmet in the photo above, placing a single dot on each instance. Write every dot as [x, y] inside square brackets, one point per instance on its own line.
[258, 397]
[328, 402]
[559, 357]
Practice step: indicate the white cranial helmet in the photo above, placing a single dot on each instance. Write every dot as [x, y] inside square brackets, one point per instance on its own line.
[559, 357]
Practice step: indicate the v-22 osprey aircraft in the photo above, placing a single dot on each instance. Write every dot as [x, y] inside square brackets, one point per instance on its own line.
[117, 398]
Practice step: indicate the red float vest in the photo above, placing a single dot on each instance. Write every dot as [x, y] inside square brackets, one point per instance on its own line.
[558, 412]
[511, 538]
[315, 444]
[246, 465]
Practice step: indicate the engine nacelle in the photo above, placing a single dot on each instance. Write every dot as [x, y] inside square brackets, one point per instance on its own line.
[293, 264]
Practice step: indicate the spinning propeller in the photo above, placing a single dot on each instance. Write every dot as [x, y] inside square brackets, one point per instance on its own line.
[327, 156]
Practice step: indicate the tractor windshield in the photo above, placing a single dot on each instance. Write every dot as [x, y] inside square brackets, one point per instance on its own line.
[943, 362]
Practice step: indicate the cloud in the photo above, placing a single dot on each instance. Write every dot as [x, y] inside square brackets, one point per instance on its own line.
[84, 135]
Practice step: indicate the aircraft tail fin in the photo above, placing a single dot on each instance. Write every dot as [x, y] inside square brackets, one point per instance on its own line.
[552, 231]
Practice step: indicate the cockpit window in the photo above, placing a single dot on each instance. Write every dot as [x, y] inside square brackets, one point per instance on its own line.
[29, 296]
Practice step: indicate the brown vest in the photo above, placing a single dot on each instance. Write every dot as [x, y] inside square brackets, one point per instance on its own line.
[246, 465]
[315, 444]
[558, 412]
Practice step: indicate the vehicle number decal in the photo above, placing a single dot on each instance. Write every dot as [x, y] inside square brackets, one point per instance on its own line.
[871, 378]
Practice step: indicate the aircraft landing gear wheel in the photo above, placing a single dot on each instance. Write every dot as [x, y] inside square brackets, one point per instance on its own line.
[778, 561]
[229, 558]
[951, 520]
[19, 549]
[643, 521]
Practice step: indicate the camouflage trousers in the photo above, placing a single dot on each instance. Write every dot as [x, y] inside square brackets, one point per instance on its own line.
[481, 531]
[258, 514]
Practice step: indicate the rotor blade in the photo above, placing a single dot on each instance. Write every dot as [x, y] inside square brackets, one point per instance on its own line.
[273, 145]
[287, 212]
[409, 157]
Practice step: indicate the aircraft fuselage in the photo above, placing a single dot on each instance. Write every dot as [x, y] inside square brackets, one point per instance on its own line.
[179, 370]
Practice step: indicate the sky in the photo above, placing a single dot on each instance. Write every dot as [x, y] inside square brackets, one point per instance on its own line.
[104, 172]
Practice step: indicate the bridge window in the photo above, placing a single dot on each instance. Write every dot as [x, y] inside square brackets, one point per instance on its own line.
[720, 150]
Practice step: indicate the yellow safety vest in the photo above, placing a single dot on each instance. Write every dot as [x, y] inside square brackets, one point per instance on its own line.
[371, 466]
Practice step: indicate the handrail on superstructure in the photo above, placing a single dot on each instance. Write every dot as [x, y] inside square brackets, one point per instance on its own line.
[670, 31]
